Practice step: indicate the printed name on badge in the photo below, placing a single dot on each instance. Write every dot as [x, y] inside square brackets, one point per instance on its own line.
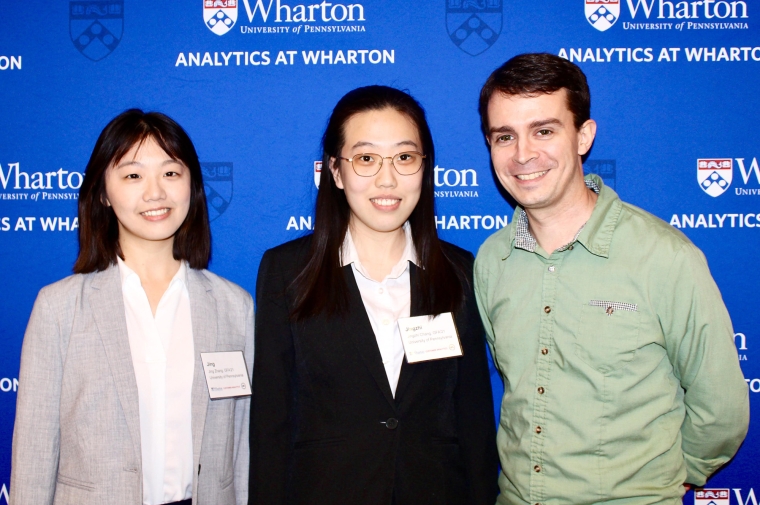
[226, 374]
[428, 338]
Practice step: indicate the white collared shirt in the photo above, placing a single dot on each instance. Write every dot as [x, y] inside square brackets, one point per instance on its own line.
[162, 354]
[385, 302]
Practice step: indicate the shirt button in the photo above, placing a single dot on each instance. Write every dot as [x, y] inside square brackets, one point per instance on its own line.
[391, 423]
[544, 351]
[547, 309]
[386, 322]
[380, 291]
[541, 390]
[552, 268]
[539, 429]
[536, 468]
[570, 247]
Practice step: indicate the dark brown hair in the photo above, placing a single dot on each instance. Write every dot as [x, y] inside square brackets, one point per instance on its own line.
[320, 287]
[534, 73]
[98, 226]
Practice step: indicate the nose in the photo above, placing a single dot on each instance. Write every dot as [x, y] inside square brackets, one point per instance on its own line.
[386, 177]
[524, 151]
[154, 189]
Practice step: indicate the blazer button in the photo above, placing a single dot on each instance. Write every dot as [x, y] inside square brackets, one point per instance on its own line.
[391, 423]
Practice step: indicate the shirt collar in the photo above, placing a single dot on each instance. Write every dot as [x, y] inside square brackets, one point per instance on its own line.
[130, 277]
[595, 235]
[349, 255]
[524, 238]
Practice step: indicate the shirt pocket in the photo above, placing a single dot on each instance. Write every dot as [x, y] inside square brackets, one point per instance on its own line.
[608, 334]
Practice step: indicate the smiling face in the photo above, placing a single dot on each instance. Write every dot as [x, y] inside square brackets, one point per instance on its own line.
[536, 149]
[149, 193]
[383, 202]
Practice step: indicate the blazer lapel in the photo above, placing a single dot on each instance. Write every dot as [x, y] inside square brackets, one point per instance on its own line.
[363, 335]
[407, 370]
[203, 314]
[108, 311]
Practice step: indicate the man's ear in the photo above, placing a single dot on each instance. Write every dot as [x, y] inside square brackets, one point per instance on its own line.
[335, 169]
[586, 135]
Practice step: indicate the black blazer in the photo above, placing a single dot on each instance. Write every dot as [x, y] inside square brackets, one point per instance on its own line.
[325, 428]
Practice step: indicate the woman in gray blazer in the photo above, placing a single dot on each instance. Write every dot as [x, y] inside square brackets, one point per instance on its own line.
[113, 405]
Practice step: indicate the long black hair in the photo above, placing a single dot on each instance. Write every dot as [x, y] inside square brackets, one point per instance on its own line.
[98, 226]
[320, 287]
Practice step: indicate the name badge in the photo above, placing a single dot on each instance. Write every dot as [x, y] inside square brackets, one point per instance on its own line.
[428, 338]
[226, 374]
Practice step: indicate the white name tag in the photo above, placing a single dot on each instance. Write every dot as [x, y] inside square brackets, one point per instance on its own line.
[426, 338]
[226, 374]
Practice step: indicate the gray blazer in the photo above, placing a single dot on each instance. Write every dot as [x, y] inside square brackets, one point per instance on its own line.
[77, 434]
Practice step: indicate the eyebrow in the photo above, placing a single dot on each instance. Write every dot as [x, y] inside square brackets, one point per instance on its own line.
[362, 143]
[133, 162]
[535, 124]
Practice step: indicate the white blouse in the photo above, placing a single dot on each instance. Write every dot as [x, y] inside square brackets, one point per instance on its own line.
[162, 354]
[385, 302]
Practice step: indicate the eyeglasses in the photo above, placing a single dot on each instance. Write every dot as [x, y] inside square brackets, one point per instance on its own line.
[369, 164]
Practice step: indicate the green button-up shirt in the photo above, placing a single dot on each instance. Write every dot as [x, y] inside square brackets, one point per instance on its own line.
[621, 378]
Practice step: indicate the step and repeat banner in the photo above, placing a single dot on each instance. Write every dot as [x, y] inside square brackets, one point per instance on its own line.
[674, 91]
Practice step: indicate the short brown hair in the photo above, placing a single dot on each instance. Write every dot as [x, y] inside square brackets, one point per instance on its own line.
[535, 73]
[98, 225]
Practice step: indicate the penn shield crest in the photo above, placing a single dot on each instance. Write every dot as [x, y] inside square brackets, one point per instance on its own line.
[96, 26]
[605, 169]
[474, 25]
[220, 15]
[217, 181]
[602, 14]
[714, 175]
[317, 172]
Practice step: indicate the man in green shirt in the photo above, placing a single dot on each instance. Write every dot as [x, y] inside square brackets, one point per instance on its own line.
[621, 379]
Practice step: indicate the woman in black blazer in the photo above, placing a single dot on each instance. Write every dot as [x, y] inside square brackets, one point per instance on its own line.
[338, 414]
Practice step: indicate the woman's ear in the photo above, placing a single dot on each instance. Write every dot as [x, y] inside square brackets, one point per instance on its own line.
[335, 169]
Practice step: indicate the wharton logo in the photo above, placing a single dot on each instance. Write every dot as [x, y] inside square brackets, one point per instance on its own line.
[704, 14]
[96, 27]
[220, 15]
[217, 181]
[714, 175]
[474, 25]
[602, 14]
[712, 497]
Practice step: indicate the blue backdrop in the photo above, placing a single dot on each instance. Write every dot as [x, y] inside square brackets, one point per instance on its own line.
[253, 82]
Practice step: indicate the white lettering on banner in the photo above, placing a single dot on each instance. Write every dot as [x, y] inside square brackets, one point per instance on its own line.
[736, 220]
[751, 494]
[4, 493]
[8, 385]
[471, 222]
[264, 58]
[665, 54]
[689, 10]
[284, 13]
[450, 177]
[742, 341]
[26, 223]
[753, 168]
[39, 180]
[10, 62]
[302, 223]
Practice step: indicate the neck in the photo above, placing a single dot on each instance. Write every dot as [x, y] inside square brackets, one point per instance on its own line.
[555, 226]
[151, 261]
[378, 251]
